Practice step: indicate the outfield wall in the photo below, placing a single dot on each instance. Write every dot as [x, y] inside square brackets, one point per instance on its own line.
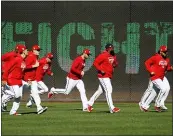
[137, 29]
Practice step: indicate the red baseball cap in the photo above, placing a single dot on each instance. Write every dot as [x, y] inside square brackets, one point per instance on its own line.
[36, 47]
[21, 48]
[18, 45]
[163, 48]
[87, 51]
[49, 55]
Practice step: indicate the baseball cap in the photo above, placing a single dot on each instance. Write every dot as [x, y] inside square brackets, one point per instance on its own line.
[18, 45]
[36, 47]
[21, 48]
[163, 48]
[109, 46]
[49, 55]
[87, 51]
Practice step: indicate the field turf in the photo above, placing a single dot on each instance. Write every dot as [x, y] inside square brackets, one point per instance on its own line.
[69, 119]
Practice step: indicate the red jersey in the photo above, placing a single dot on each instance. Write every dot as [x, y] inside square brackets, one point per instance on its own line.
[76, 68]
[6, 58]
[106, 63]
[43, 68]
[14, 72]
[158, 65]
[30, 72]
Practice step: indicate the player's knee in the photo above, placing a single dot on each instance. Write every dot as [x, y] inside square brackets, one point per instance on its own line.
[164, 89]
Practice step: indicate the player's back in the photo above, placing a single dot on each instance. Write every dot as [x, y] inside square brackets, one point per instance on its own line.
[6, 58]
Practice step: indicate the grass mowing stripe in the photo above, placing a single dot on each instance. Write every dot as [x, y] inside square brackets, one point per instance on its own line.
[69, 119]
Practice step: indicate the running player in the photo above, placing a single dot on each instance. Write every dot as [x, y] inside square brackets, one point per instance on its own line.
[43, 68]
[157, 66]
[7, 94]
[74, 78]
[105, 64]
[13, 76]
[30, 76]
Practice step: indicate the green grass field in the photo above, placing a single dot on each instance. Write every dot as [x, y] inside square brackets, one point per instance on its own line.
[68, 119]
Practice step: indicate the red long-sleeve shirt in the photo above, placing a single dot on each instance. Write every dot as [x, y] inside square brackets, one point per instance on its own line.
[6, 58]
[106, 63]
[158, 65]
[43, 68]
[76, 68]
[30, 72]
[14, 72]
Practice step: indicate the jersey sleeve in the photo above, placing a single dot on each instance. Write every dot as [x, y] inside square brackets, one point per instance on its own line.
[150, 62]
[74, 67]
[99, 59]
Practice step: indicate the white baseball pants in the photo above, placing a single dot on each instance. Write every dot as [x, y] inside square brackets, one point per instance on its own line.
[148, 96]
[105, 84]
[42, 87]
[17, 96]
[35, 95]
[70, 84]
[164, 87]
[158, 85]
[7, 94]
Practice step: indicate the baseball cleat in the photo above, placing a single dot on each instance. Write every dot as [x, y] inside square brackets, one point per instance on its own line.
[49, 95]
[115, 110]
[85, 109]
[140, 106]
[158, 109]
[28, 106]
[90, 108]
[163, 107]
[42, 110]
[143, 109]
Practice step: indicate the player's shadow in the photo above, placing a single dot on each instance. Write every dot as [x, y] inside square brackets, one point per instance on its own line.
[23, 113]
[157, 111]
[95, 112]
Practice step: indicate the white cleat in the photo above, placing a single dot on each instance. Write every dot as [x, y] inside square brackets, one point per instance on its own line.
[140, 106]
[42, 110]
[163, 107]
[29, 104]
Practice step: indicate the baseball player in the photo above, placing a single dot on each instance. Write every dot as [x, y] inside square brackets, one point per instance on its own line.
[157, 66]
[30, 76]
[7, 94]
[74, 78]
[43, 68]
[13, 76]
[105, 63]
